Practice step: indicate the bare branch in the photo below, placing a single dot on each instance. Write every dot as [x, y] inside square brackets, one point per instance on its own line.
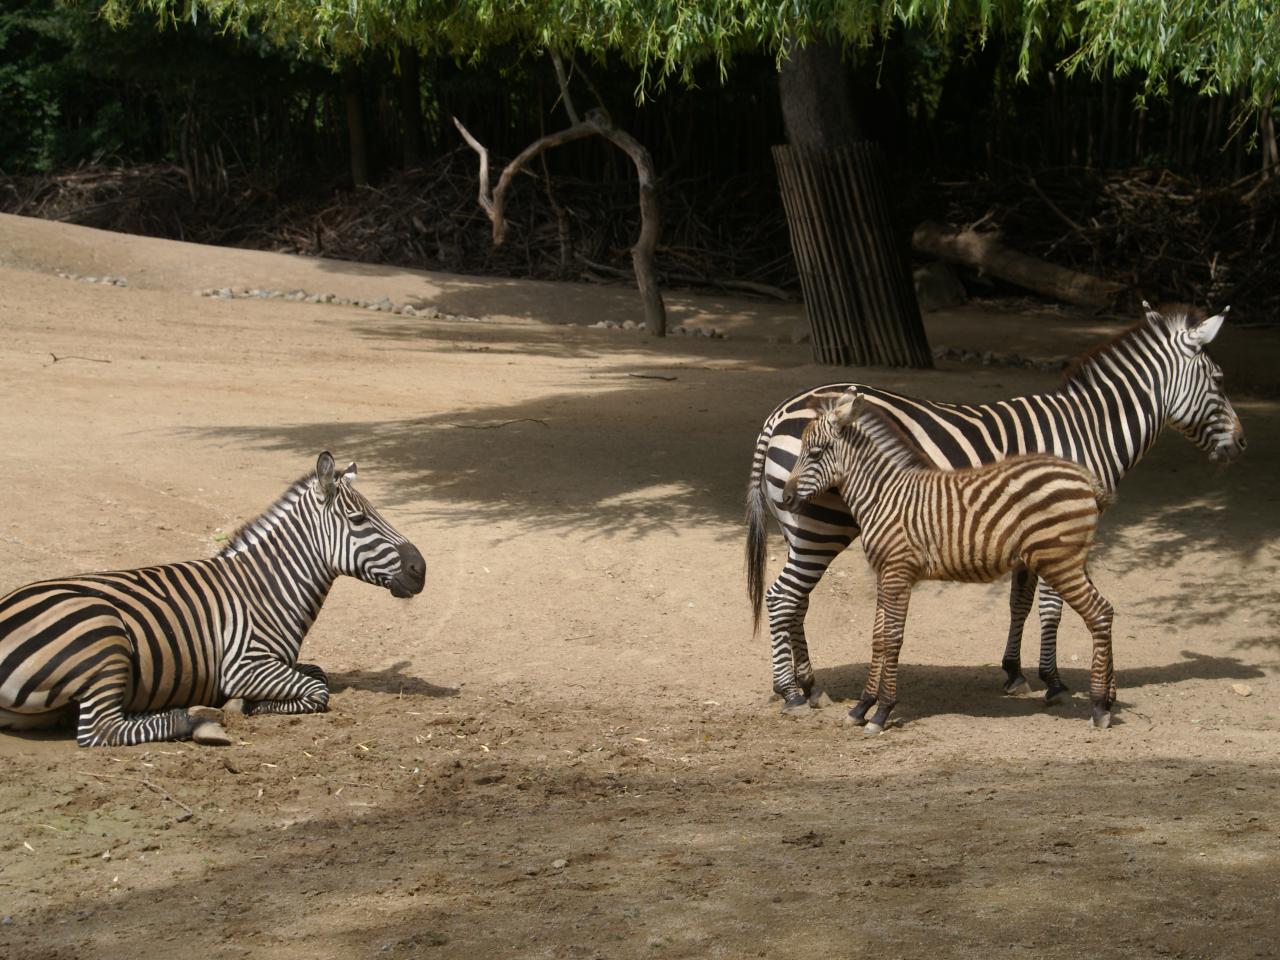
[485, 198]
[563, 80]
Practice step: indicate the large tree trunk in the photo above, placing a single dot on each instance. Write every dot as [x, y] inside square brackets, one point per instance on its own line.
[411, 107]
[353, 95]
[858, 295]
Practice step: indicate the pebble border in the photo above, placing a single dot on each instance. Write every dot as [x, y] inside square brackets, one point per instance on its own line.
[987, 358]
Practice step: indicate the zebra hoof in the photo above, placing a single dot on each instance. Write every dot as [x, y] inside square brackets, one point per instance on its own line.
[1101, 719]
[801, 709]
[234, 707]
[1056, 696]
[205, 714]
[1017, 687]
[210, 734]
[819, 699]
[872, 729]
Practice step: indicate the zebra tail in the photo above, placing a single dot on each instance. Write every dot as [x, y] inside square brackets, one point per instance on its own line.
[757, 530]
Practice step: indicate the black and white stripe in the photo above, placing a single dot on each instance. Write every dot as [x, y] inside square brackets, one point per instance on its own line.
[1106, 415]
[131, 651]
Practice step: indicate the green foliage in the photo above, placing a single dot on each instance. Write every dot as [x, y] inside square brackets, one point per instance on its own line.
[1212, 45]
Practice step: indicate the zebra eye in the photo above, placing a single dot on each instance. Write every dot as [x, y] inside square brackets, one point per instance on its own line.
[357, 517]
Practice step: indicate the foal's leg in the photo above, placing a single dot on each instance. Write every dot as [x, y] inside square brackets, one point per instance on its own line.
[892, 597]
[874, 671]
[1022, 593]
[1083, 597]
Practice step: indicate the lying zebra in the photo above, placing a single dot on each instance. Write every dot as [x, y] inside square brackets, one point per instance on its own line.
[144, 654]
[975, 524]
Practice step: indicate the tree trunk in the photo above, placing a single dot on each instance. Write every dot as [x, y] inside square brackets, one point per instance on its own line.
[359, 146]
[988, 255]
[411, 107]
[857, 291]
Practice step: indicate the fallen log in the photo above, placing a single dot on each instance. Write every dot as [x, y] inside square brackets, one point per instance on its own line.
[989, 256]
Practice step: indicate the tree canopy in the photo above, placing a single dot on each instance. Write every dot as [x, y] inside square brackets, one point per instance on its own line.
[1209, 45]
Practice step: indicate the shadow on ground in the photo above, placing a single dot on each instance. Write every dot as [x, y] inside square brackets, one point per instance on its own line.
[953, 859]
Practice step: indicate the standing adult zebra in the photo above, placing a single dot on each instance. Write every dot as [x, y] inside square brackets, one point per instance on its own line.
[1105, 415]
[142, 654]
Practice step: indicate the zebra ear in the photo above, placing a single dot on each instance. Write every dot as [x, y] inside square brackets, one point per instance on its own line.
[847, 410]
[1151, 312]
[325, 482]
[1204, 332]
[349, 473]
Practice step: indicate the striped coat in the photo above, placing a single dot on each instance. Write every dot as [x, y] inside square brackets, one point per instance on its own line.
[973, 524]
[1106, 415]
[131, 654]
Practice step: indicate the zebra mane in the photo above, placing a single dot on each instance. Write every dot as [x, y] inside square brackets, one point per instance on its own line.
[1169, 318]
[888, 438]
[247, 532]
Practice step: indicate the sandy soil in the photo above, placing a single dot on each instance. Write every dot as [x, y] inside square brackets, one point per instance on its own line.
[566, 746]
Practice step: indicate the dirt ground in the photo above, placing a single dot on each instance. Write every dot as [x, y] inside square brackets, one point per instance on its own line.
[566, 746]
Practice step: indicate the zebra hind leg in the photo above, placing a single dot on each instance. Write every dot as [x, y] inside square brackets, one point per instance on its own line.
[1056, 692]
[103, 722]
[1022, 592]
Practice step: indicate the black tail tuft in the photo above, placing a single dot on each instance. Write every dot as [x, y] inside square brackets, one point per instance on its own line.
[757, 531]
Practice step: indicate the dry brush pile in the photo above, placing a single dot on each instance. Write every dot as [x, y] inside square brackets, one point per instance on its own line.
[1168, 236]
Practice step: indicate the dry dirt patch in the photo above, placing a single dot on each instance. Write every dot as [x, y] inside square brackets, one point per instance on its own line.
[565, 747]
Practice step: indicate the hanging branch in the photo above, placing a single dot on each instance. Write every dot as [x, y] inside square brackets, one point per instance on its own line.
[596, 122]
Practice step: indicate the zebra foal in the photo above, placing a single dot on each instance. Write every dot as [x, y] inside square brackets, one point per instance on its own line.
[144, 654]
[975, 524]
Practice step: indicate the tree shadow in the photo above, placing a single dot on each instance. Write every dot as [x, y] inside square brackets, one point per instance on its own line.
[392, 680]
[716, 863]
[928, 689]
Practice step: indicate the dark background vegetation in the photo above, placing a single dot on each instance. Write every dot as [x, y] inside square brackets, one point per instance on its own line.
[191, 134]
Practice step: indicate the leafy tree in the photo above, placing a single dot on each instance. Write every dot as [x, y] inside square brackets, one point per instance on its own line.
[1209, 45]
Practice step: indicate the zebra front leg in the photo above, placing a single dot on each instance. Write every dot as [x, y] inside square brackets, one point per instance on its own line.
[893, 597]
[272, 686]
[871, 690]
[1022, 591]
[1056, 691]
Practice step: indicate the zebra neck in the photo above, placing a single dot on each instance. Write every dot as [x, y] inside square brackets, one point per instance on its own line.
[278, 560]
[1125, 414]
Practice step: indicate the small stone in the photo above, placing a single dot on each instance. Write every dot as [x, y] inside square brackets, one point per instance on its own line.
[630, 325]
[1241, 689]
[7, 921]
[327, 298]
[90, 279]
[431, 313]
[106, 855]
[225, 293]
[940, 352]
[398, 309]
[559, 864]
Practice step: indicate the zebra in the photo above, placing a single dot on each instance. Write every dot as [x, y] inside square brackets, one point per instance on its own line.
[144, 654]
[1106, 414]
[972, 524]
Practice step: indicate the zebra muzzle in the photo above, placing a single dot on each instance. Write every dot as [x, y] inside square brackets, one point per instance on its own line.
[413, 573]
